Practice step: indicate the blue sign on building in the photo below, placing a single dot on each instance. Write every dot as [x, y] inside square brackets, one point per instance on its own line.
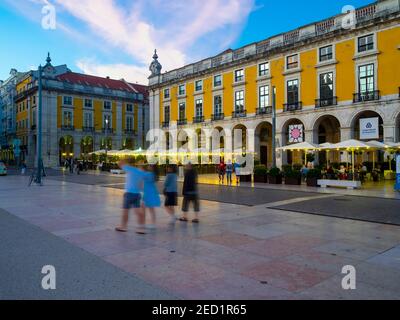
[397, 186]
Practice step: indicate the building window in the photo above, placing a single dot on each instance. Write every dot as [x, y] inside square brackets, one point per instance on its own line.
[67, 119]
[181, 90]
[325, 53]
[217, 105]
[293, 91]
[129, 124]
[199, 85]
[166, 94]
[366, 43]
[107, 121]
[129, 107]
[263, 97]
[88, 103]
[326, 86]
[366, 79]
[67, 101]
[217, 81]
[182, 111]
[199, 108]
[263, 69]
[239, 101]
[167, 114]
[107, 105]
[88, 120]
[292, 62]
[239, 75]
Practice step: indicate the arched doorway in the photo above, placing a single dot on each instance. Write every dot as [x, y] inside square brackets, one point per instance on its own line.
[327, 130]
[128, 144]
[294, 132]
[87, 146]
[239, 134]
[356, 133]
[263, 143]
[66, 149]
[106, 143]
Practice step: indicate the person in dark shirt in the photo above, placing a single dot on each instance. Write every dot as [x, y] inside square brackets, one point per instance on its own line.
[190, 194]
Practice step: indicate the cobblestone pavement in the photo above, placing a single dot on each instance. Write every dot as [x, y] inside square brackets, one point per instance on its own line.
[236, 252]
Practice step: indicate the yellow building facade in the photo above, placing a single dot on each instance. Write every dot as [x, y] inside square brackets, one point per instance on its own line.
[81, 114]
[327, 77]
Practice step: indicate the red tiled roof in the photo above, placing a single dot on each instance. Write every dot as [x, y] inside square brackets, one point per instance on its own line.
[88, 80]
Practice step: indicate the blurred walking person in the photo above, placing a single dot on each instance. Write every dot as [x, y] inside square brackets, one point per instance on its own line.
[229, 171]
[132, 198]
[151, 197]
[171, 192]
[221, 171]
[237, 168]
[190, 194]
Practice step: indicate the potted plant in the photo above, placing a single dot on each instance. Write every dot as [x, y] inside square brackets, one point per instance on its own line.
[274, 176]
[313, 175]
[292, 177]
[260, 174]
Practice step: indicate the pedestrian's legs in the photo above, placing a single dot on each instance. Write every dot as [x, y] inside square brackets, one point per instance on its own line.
[141, 220]
[124, 220]
[152, 216]
[196, 204]
[185, 206]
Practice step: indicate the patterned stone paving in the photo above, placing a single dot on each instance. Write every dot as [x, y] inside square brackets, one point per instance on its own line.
[236, 252]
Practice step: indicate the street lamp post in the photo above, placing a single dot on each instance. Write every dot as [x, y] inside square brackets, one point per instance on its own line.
[39, 132]
[106, 139]
[274, 127]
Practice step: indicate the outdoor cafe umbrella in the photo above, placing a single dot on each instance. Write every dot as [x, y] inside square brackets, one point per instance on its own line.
[327, 146]
[351, 145]
[376, 145]
[306, 146]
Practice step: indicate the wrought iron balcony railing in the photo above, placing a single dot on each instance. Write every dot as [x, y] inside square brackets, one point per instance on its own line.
[198, 119]
[68, 128]
[108, 130]
[182, 122]
[87, 129]
[130, 131]
[264, 110]
[218, 116]
[239, 114]
[325, 102]
[288, 107]
[165, 124]
[366, 96]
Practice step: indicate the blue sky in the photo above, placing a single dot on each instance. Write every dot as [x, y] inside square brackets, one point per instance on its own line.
[116, 37]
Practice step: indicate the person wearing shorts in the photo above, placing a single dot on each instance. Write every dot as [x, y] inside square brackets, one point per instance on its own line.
[190, 194]
[132, 198]
[171, 192]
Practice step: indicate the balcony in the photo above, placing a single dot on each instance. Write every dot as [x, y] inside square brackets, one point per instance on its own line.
[88, 129]
[217, 117]
[68, 128]
[366, 96]
[130, 131]
[108, 130]
[199, 119]
[182, 122]
[239, 114]
[165, 124]
[264, 111]
[294, 106]
[325, 102]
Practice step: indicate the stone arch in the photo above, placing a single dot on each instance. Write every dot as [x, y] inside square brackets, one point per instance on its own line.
[355, 124]
[87, 145]
[66, 149]
[263, 143]
[293, 131]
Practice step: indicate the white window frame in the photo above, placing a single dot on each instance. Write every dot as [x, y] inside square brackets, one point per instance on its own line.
[244, 99]
[63, 117]
[298, 62]
[374, 38]
[104, 105]
[126, 108]
[84, 103]
[68, 105]
[179, 110]
[169, 94]
[184, 90]
[127, 118]
[195, 86]
[333, 53]
[218, 75]
[259, 95]
[110, 126]
[243, 76]
[323, 71]
[287, 79]
[222, 103]
[202, 107]
[259, 69]
[84, 119]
